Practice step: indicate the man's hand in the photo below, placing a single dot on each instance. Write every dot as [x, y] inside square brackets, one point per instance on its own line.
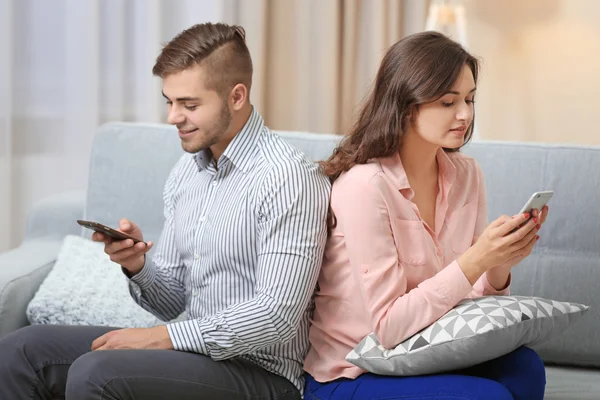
[123, 252]
[156, 338]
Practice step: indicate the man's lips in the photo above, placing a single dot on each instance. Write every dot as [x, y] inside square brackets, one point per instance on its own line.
[187, 132]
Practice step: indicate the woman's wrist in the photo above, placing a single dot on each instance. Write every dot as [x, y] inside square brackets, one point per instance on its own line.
[470, 264]
[498, 277]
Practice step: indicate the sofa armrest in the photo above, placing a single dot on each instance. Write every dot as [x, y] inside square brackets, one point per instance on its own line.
[56, 217]
[22, 271]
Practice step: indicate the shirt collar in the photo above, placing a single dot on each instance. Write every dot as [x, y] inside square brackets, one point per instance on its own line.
[242, 149]
[392, 167]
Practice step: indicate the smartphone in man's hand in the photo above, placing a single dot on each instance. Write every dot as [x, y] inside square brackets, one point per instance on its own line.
[108, 231]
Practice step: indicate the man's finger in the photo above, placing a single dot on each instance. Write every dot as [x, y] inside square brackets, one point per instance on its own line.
[118, 245]
[134, 256]
[97, 237]
[99, 342]
[125, 225]
[127, 254]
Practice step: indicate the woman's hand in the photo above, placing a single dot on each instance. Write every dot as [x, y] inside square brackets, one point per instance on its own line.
[506, 239]
[498, 276]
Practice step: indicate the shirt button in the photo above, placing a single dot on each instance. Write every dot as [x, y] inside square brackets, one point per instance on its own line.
[215, 183]
[196, 256]
[195, 293]
[202, 218]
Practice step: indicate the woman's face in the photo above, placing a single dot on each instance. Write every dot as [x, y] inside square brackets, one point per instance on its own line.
[444, 122]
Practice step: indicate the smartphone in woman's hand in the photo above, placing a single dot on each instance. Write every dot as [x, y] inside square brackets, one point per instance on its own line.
[537, 201]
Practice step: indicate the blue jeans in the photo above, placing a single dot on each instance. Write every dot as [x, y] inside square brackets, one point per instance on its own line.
[519, 375]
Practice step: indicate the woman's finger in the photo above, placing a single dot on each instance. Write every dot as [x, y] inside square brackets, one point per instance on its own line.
[521, 244]
[544, 215]
[512, 226]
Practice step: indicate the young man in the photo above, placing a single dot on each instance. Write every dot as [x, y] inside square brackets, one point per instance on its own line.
[240, 251]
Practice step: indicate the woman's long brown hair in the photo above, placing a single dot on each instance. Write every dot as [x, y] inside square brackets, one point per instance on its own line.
[416, 70]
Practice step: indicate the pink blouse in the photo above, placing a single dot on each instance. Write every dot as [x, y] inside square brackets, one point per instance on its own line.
[385, 270]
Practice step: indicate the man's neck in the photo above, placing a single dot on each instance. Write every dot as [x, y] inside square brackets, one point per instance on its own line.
[237, 123]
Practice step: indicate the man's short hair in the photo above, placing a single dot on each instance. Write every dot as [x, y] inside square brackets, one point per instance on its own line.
[219, 48]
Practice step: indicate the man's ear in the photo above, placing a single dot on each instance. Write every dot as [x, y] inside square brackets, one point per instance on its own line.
[238, 96]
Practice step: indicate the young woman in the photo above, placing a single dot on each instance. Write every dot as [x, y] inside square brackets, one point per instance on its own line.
[409, 235]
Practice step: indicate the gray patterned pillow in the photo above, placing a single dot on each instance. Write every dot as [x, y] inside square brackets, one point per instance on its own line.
[475, 331]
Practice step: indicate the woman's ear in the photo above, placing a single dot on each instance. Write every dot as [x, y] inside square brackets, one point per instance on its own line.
[412, 112]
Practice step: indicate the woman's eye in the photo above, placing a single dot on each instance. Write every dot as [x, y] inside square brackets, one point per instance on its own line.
[447, 104]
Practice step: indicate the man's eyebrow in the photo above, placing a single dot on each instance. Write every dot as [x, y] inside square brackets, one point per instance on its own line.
[181, 99]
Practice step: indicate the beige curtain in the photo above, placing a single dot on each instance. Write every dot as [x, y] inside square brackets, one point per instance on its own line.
[58, 84]
[315, 59]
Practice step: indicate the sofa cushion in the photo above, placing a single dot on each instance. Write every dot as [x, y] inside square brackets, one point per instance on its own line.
[85, 288]
[129, 166]
[473, 332]
[564, 383]
[565, 263]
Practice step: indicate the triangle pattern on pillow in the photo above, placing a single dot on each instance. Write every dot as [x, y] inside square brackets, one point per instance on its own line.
[472, 317]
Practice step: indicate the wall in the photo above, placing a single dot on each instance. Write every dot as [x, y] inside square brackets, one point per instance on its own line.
[541, 69]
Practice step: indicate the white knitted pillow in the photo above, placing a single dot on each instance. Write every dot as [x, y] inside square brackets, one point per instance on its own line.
[85, 288]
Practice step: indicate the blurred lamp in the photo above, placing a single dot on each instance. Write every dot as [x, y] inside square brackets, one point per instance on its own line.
[448, 17]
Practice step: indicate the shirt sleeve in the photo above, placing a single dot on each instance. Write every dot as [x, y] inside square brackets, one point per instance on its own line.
[395, 312]
[483, 287]
[159, 287]
[292, 231]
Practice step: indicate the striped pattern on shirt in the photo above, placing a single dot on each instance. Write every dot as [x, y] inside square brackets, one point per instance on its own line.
[240, 251]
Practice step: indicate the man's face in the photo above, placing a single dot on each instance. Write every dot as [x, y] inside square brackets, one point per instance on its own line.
[202, 117]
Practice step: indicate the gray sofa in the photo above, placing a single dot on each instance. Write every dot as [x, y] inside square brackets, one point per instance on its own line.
[130, 162]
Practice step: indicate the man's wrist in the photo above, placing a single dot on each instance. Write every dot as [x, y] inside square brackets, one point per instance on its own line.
[162, 338]
[131, 272]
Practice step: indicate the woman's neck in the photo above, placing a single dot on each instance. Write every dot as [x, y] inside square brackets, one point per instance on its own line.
[418, 158]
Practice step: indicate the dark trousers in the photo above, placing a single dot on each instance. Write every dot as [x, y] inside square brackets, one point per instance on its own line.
[56, 362]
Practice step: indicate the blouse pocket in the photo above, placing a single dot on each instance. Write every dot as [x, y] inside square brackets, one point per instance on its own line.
[461, 227]
[411, 241]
